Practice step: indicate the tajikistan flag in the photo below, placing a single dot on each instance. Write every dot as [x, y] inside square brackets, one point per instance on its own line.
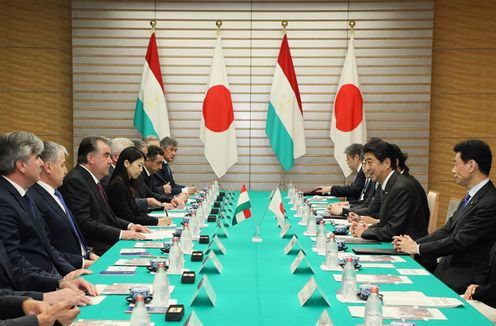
[150, 117]
[285, 114]
[242, 211]
[277, 207]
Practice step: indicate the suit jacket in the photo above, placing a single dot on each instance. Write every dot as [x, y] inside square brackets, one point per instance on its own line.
[486, 292]
[60, 231]
[163, 177]
[465, 241]
[145, 185]
[371, 206]
[11, 307]
[23, 233]
[100, 227]
[401, 211]
[423, 195]
[353, 191]
[19, 281]
[122, 202]
[106, 179]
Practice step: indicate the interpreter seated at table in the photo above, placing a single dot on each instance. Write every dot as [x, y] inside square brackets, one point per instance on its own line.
[465, 241]
[24, 311]
[367, 204]
[153, 164]
[351, 192]
[163, 181]
[123, 189]
[401, 209]
[482, 292]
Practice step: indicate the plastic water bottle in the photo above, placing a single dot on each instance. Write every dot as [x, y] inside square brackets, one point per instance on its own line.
[349, 284]
[320, 244]
[160, 287]
[311, 225]
[373, 308]
[200, 216]
[194, 226]
[176, 259]
[331, 260]
[186, 239]
[139, 316]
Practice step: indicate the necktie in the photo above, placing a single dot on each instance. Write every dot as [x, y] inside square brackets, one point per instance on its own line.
[466, 199]
[82, 243]
[102, 194]
[30, 204]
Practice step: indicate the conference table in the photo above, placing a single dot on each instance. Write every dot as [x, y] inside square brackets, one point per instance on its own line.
[256, 286]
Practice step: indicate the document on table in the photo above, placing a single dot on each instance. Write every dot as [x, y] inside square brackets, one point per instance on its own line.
[155, 245]
[96, 300]
[120, 288]
[374, 258]
[133, 262]
[378, 278]
[416, 298]
[134, 252]
[355, 240]
[159, 234]
[406, 312]
[413, 271]
[119, 270]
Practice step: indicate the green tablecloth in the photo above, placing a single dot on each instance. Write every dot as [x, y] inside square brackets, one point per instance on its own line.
[256, 286]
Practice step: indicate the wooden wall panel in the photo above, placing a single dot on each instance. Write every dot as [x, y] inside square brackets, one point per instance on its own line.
[36, 69]
[463, 87]
[393, 46]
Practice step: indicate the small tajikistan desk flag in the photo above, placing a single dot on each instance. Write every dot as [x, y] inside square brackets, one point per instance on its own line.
[242, 211]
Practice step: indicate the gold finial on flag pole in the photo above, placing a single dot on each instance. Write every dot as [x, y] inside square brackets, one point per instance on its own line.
[219, 25]
[153, 24]
[284, 24]
[352, 25]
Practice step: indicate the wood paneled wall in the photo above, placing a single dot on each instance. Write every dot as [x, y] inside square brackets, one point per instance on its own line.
[36, 68]
[463, 87]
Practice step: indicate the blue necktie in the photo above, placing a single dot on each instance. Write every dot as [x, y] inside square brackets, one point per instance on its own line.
[466, 199]
[71, 222]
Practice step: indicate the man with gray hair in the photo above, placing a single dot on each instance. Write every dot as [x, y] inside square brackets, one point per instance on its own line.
[353, 191]
[22, 231]
[116, 147]
[64, 234]
[152, 141]
[163, 181]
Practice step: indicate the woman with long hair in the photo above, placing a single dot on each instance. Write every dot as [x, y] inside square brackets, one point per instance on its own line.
[123, 189]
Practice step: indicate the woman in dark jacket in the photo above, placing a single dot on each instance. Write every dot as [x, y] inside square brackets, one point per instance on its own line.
[122, 189]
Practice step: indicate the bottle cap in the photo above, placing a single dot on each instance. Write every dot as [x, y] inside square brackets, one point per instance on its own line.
[349, 259]
[186, 224]
[322, 222]
[374, 289]
[161, 265]
[139, 298]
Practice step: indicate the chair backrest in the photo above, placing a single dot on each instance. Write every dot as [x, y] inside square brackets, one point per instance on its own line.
[433, 202]
[452, 206]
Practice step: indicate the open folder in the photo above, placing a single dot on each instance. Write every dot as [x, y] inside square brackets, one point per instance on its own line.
[377, 251]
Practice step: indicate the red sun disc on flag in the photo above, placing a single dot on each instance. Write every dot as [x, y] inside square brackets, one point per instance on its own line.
[217, 109]
[348, 108]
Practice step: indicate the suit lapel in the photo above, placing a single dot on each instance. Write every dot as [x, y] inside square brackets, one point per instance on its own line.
[96, 193]
[462, 212]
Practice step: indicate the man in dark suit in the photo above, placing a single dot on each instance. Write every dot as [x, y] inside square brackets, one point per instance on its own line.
[86, 199]
[401, 211]
[163, 181]
[22, 229]
[153, 164]
[464, 242]
[351, 192]
[63, 232]
[24, 311]
[482, 293]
